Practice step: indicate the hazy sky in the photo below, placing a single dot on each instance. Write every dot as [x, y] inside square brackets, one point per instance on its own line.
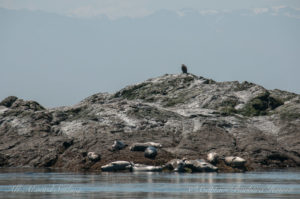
[58, 52]
[138, 8]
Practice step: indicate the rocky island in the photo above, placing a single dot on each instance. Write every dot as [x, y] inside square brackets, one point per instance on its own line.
[177, 122]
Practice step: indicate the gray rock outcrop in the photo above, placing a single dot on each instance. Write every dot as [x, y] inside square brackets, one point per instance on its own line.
[189, 116]
[7, 102]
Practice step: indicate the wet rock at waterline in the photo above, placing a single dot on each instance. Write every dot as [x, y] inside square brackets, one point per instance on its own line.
[2, 160]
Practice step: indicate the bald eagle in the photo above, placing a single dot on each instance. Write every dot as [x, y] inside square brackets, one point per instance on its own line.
[184, 68]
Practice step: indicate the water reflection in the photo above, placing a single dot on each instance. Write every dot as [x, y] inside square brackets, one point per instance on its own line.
[45, 184]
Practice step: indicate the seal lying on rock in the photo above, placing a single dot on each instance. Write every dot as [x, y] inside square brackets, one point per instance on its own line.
[213, 158]
[200, 166]
[150, 152]
[177, 165]
[117, 166]
[118, 145]
[181, 165]
[235, 161]
[143, 146]
[93, 156]
[147, 168]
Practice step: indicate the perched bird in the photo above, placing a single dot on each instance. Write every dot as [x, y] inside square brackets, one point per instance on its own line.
[184, 68]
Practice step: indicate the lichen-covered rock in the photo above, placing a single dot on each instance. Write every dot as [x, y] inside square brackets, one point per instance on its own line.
[150, 152]
[26, 105]
[235, 161]
[117, 166]
[93, 156]
[144, 146]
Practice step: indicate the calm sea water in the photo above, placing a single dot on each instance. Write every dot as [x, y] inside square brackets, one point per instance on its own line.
[20, 183]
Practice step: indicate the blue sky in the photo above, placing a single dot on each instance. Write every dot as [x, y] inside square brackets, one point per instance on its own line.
[60, 51]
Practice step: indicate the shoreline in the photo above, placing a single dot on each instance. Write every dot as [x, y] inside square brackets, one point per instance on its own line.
[59, 170]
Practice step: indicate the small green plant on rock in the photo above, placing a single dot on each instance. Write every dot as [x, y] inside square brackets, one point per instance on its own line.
[260, 105]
